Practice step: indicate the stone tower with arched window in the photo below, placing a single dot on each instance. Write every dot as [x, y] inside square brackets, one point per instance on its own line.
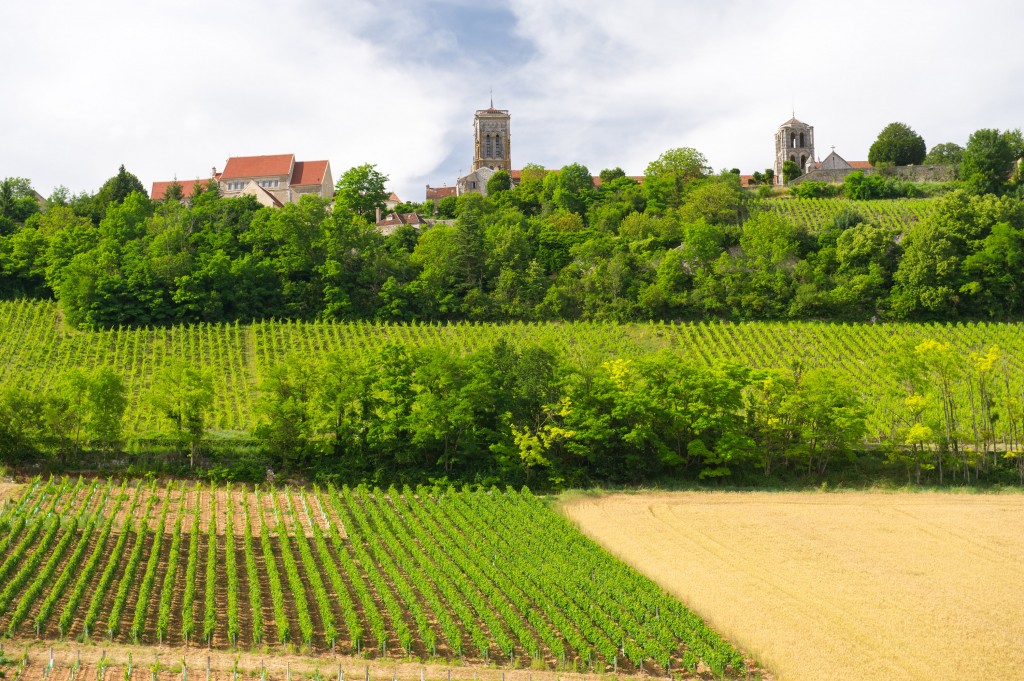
[794, 141]
[492, 147]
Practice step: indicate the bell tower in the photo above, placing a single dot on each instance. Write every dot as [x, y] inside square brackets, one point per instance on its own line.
[794, 141]
[492, 146]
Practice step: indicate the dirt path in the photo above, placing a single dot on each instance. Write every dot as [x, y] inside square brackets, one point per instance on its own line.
[827, 586]
[279, 667]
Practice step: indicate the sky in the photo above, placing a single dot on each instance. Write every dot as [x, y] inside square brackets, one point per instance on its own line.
[172, 90]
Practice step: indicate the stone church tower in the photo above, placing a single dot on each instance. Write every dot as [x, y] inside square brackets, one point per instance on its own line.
[492, 147]
[794, 141]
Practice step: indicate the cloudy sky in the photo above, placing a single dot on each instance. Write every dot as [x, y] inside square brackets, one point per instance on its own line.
[171, 89]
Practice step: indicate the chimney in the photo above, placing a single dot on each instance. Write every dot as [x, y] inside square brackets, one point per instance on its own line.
[378, 213]
[213, 171]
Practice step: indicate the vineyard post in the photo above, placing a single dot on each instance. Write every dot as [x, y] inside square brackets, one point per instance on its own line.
[207, 668]
[368, 674]
[341, 673]
[263, 671]
[288, 671]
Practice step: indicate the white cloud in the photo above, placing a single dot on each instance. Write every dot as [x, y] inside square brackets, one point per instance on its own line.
[175, 88]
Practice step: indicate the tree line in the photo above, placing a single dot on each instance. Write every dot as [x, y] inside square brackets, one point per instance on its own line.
[683, 244]
[528, 413]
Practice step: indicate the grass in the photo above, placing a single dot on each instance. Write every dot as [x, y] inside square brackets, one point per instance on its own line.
[864, 585]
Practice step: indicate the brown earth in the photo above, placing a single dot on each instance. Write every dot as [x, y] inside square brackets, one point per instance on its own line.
[829, 586]
[278, 666]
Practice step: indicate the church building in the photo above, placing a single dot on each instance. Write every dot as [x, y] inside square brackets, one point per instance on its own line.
[492, 149]
[794, 141]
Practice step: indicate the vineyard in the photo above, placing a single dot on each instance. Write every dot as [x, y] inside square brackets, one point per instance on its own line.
[814, 215]
[480, 576]
[36, 350]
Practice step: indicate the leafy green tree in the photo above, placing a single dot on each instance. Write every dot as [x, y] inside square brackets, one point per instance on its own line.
[183, 396]
[573, 188]
[899, 145]
[500, 181]
[287, 426]
[116, 190]
[21, 424]
[946, 153]
[989, 159]
[790, 171]
[666, 176]
[611, 174]
[361, 190]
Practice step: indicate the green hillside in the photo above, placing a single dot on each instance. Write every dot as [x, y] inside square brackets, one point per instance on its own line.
[37, 349]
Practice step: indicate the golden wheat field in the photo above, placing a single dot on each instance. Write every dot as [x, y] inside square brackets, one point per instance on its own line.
[840, 585]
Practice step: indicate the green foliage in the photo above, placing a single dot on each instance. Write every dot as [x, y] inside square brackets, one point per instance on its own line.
[989, 160]
[790, 171]
[361, 190]
[479, 574]
[500, 181]
[946, 153]
[815, 190]
[899, 145]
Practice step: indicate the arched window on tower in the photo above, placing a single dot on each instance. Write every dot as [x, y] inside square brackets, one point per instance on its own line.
[498, 149]
[792, 140]
[803, 161]
[801, 139]
[792, 157]
[489, 147]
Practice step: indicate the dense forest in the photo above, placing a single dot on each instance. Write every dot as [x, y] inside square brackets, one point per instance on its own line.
[683, 244]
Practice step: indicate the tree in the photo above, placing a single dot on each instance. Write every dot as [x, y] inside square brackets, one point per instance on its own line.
[899, 145]
[361, 191]
[790, 171]
[665, 177]
[183, 395]
[174, 192]
[989, 158]
[500, 181]
[947, 153]
[117, 188]
[573, 187]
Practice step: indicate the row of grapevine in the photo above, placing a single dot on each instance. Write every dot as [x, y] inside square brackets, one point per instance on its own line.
[489, 576]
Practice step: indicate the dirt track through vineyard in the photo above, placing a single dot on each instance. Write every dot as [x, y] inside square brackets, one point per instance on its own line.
[830, 586]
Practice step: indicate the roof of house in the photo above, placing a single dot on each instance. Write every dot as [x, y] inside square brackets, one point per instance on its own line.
[160, 188]
[259, 166]
[436, 193]
[309, 172]
[395, 219]
[254, 189]
[394, 197]
[860, 165]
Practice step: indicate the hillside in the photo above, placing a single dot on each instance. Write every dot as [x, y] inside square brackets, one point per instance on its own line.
[814, 215]
[36, 350]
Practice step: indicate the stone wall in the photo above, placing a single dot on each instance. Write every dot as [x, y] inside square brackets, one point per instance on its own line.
[934, 173]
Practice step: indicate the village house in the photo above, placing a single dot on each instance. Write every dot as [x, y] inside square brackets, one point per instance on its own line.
[273, 180]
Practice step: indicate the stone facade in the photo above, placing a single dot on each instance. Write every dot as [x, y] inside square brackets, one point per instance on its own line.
[794, 141]
[492, 146]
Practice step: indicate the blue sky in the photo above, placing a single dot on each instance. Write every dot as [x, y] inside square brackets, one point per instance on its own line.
[173, 89]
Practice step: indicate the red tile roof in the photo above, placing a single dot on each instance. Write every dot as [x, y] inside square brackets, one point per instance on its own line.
[401, 219]
[860, 165]
[160, 188]
[240, 167]
[309, 172]
[436, 193]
